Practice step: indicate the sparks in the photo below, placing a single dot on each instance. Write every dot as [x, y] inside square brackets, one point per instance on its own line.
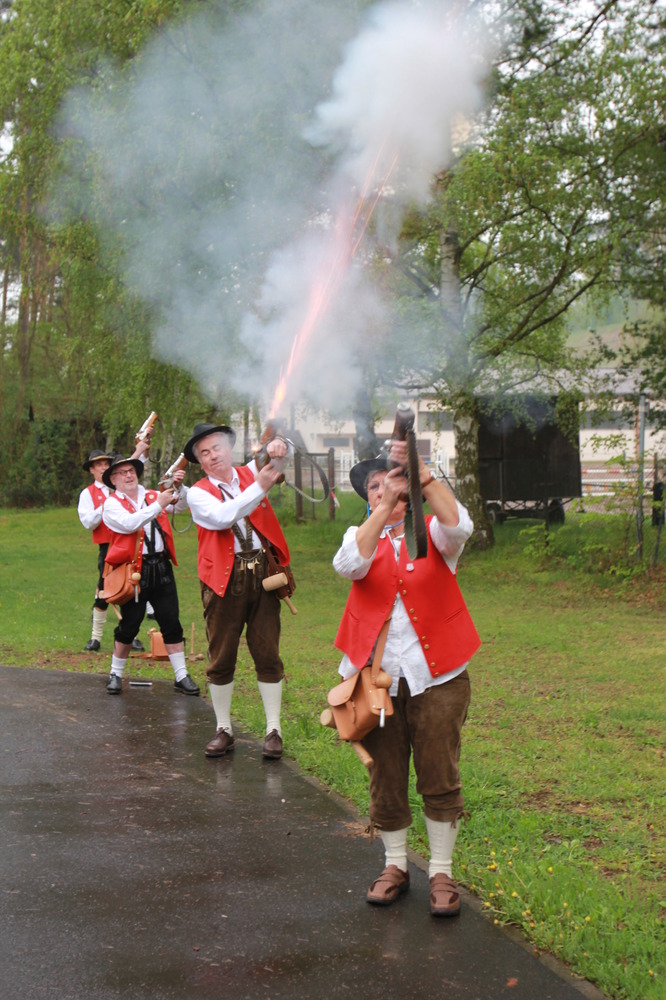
[344, 247]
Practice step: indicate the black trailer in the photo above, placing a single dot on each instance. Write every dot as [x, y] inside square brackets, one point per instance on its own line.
[528, 467]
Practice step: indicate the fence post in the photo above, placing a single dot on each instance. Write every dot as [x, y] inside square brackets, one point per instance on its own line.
[298, 482]
[331, 483]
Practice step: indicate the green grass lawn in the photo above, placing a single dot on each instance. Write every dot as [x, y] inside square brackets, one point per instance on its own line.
[563, 751]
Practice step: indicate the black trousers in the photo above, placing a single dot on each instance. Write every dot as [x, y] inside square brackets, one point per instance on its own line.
[98, 602]
[158, 585]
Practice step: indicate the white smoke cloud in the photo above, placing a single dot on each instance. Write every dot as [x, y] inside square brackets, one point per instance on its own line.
[232, 157]
[406, 78]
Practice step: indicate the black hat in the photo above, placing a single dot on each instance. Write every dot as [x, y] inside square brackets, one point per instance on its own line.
[119, 460]
[202, 431]
[95, 456]
[359, 473]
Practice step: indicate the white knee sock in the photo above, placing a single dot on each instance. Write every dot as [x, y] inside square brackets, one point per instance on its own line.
[220, 695]
[271, 696]
[98, 619]
[179, 665]
[118, 665]
[395, 847]
[442, 838]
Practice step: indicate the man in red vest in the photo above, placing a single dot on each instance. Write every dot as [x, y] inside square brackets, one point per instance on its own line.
[138, 523]
[90, 516]
[90, 505]
[429, 641]
[235, 521]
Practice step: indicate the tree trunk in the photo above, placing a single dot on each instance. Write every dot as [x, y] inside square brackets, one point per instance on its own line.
[465, 421]
[367, 445]
[466, 430]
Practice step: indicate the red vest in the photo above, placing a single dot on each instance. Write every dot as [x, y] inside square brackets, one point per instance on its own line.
[216, 548]
[432, 598]
[101, 533]
[122, 547]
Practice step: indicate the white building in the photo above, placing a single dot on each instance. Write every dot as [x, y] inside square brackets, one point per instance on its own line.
[615, 435]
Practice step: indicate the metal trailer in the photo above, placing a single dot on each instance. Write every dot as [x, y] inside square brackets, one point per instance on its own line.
[528, 467]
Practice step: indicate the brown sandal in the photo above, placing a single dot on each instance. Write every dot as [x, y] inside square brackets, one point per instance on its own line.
[390, 884]
[444, 896]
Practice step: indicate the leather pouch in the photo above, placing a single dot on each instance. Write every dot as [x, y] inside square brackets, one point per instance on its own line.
[358, 704]
[121, 583]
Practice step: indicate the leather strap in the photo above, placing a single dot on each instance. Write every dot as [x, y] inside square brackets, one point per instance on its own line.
[379, 650]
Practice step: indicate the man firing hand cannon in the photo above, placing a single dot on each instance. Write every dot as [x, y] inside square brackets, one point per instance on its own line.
[237, 529]
[415, 607]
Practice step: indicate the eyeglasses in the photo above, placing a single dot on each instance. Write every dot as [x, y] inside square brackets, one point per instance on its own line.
[125, 472]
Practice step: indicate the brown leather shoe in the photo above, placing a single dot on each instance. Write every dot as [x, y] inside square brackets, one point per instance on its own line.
[391, 883]
[220, 744]
[272, 746]
[444, 896]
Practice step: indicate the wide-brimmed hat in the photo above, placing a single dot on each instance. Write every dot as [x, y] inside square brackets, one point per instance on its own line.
[359, 473]
[202, 431]
[119, 460]
[96, 456]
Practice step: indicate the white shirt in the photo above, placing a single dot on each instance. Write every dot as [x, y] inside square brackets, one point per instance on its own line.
[403, 656]
[89, 515]
[215, 515]
[117, 518]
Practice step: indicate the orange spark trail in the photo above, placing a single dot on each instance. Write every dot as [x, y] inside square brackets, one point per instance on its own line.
[344, 249]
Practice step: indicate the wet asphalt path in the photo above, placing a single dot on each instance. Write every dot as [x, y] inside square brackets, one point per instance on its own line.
[134, 867]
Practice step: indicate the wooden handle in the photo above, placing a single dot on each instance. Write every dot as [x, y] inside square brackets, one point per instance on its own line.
[361, 753]
[147, 425]
[326, 719]
[275, 582]
[287, 601]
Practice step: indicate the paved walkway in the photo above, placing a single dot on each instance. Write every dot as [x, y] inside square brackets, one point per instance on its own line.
[134, 867]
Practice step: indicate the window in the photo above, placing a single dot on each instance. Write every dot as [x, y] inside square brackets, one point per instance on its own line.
[436, 420]
[336, 442]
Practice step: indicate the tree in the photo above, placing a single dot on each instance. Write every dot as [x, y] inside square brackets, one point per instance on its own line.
[63, 312]
[537, 213]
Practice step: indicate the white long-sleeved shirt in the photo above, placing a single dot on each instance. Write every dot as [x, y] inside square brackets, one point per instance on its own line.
[89, 515]
[403, 656]
[117, 518]
[211, 513]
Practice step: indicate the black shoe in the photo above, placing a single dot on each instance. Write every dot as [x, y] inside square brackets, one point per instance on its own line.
[92, 646]
[137, 646]
[186, 686]
[114, 685]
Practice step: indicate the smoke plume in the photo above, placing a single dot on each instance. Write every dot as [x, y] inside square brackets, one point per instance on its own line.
[238, 161]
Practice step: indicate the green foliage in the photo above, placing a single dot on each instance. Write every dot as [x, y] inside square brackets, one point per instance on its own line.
[559, 190]
[48, 470]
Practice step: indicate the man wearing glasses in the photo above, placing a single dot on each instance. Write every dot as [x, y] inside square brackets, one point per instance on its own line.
[137, 518]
